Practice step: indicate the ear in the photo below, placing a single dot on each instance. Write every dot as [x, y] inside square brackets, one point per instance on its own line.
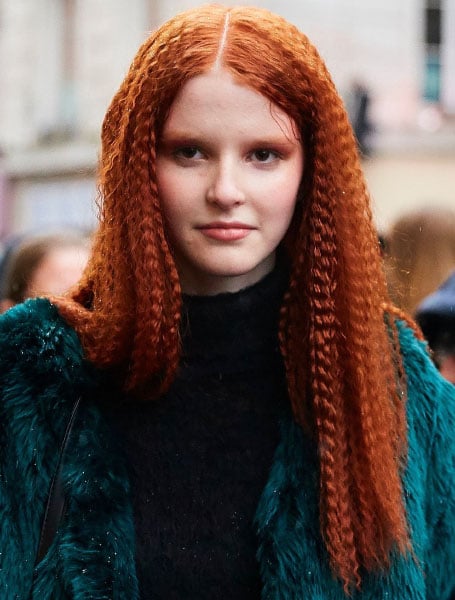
[5, 304]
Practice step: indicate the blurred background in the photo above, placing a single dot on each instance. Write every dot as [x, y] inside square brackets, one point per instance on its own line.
[62, 60]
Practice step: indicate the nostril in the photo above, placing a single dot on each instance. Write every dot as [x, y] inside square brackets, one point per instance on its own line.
[225, 193]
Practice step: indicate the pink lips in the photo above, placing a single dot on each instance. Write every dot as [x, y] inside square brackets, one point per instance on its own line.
[226, 231]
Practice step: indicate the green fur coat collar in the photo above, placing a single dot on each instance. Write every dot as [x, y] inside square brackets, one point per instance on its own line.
[42, 372]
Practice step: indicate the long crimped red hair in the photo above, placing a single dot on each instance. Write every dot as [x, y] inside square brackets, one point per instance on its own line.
[341, 360]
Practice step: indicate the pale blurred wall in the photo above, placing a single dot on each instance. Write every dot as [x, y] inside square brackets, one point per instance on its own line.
[62, 60]
[60, 63]
[53, 83]
[377, 41]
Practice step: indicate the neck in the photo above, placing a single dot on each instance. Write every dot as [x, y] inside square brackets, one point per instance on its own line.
[202, 284]
[233, 332]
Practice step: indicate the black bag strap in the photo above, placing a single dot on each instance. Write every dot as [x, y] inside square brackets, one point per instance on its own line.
[56, 501]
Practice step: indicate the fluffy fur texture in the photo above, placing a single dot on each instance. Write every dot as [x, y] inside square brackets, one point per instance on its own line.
[42, 371]
[339, 361]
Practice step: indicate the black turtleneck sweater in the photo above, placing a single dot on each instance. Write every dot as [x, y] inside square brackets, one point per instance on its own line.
[199, 457]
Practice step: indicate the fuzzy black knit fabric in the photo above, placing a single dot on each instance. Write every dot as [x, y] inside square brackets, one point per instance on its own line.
[200, 456]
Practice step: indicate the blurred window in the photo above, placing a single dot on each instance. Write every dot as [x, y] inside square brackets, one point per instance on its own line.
[55, 72]
[432, 74]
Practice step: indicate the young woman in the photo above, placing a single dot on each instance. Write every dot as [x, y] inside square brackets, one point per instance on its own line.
[256, 420]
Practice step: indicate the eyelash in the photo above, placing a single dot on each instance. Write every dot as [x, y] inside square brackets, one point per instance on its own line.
[184, 151]
[271, 154]
[180, 152]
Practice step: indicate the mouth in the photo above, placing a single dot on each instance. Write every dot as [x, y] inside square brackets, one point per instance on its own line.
[226, 231]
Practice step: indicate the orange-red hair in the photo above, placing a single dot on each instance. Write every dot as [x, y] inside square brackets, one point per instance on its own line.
[342, 364]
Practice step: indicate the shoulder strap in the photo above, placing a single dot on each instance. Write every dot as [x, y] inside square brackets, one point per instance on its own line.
[55, 506]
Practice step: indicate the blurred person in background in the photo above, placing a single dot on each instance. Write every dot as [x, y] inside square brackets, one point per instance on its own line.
[419, 254]
[358, 103]
[436, 317]
[42, 265]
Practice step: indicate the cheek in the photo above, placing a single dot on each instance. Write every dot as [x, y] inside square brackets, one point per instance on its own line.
[169, 195]
[284, 197]
[282, 206]
[285, 212]
[165, 183]
[177, 212]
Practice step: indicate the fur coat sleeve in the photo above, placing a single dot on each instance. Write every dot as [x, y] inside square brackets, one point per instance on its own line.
[292, 555]
[42, 372]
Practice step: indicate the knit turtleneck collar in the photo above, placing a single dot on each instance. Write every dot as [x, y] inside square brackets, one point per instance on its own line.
[233, 333]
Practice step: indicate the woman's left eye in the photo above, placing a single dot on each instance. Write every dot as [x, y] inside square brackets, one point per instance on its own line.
[264, 155]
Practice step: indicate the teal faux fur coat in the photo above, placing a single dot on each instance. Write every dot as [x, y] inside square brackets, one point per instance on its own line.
[42, 371]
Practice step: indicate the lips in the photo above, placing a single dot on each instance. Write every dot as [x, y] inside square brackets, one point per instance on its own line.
[226, 231]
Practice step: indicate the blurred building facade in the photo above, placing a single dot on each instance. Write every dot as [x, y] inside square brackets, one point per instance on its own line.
[62, 60]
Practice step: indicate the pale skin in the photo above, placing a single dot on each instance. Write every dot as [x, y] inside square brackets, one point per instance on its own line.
[229, 166]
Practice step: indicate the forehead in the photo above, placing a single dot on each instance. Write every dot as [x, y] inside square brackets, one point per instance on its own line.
[215, 99]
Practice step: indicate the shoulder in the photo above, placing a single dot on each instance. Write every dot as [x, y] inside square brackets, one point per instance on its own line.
[430, 469]
[424, 381]
[430, 397]
[431, 421]
[37, 344]
[42, 373]
[415, 351]
[42, 367]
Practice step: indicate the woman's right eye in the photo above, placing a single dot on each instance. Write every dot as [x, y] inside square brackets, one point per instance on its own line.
[188, 152]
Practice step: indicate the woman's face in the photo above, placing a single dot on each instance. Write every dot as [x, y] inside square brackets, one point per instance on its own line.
[228, 168]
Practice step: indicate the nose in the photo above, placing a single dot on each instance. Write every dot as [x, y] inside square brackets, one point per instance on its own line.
[225, 187]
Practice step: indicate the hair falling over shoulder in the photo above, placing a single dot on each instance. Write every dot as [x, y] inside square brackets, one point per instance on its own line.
[342, 360]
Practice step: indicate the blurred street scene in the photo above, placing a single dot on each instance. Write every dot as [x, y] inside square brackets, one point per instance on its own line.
[61, 61]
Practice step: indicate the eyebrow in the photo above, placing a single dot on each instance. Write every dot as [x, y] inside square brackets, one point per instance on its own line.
[189, 138]
[176, 136]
